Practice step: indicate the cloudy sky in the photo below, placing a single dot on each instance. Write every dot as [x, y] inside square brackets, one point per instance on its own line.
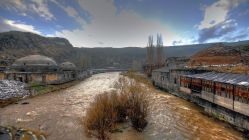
[123, 23]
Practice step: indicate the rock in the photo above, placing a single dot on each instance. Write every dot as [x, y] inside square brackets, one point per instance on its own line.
[25, 103]
[32, 113]
[13, 89]
[5, 133]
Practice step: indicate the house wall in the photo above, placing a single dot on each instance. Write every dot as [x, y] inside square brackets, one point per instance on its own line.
[65, 76]
[185, 90]
[207, 96]
[51, 77]
[241, 107]
[37, 78]
[223, 101]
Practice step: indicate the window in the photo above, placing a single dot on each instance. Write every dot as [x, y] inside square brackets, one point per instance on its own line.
[223, 89]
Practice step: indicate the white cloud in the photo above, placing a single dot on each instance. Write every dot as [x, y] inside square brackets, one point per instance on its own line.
[217, 12]
[39, 7]
[184, 41]
[218, 31]
[13, 25]
[71, 12]
[122, 30]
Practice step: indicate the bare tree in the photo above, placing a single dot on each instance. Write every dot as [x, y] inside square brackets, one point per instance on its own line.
[159, 46]
[150, 51]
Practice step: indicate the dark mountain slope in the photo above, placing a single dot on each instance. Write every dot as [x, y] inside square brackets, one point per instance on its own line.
[16, 44]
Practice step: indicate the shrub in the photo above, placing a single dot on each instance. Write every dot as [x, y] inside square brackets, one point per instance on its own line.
[99, 117]
[138, 78]
[127, 103]
[137, 106]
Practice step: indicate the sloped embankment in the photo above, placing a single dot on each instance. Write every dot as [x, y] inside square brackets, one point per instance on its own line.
[11, 91]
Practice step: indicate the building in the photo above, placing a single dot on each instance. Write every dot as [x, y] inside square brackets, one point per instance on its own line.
[223, 95]
[42, 70]
[225, 89]
[168, 77]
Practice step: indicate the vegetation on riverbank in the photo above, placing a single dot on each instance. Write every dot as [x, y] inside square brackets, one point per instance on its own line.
[138, 77]
[43, 89]
[126, 104]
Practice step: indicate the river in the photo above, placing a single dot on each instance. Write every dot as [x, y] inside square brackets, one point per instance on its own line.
[59, 115]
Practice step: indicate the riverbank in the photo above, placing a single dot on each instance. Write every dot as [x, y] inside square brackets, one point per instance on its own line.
[59, 115]
[36, 90]
[233, 119]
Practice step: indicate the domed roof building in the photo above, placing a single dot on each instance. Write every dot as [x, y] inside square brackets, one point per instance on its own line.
[34, 63]
[40, 69]
[67, 66]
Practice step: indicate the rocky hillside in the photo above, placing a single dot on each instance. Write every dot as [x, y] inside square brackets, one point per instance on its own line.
[16, 44]
[222, 54]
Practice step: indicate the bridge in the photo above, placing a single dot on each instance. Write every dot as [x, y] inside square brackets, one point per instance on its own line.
[95, 71]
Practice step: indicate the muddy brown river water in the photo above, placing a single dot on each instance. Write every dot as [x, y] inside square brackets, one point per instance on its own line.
[59, 115]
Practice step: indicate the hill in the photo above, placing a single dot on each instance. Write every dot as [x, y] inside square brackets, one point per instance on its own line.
[15, 44]
[222, 54]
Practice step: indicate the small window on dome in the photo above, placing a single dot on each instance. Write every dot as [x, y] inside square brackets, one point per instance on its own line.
[24, 63]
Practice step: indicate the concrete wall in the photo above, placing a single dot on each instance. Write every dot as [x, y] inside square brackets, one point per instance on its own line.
[241, 107]
[51, 77]
[207, 96]
[36, 78]
[185, 90]
[222, 101]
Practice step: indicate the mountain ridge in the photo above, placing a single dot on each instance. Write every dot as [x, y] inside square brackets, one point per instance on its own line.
[16, 44]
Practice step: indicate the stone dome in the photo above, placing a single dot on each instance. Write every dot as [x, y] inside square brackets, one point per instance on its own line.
[35, 62]
[67, 66]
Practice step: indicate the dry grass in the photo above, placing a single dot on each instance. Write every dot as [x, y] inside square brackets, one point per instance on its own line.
[240, 69]
[137, 107]
[127, 103]
[100, 116]
[139, 78]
